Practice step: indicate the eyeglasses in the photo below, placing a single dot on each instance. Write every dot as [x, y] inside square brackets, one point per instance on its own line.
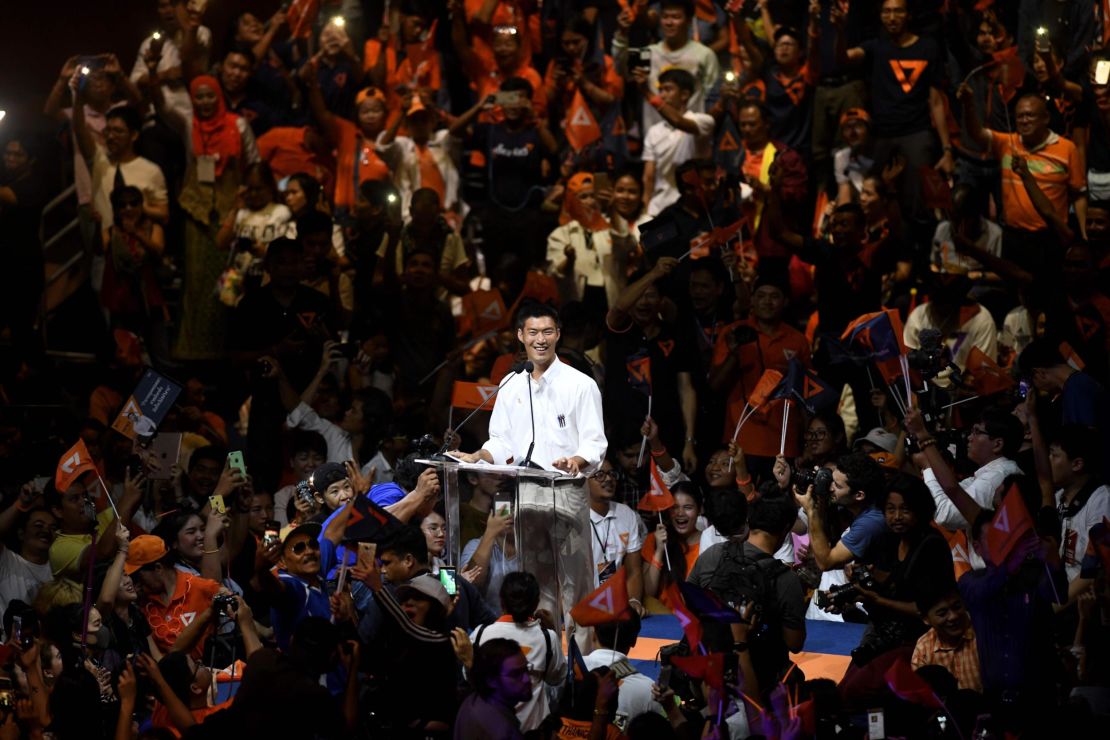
[301, 546]
[980, 431]
[603, 475]
[816, 434]
[435, 528]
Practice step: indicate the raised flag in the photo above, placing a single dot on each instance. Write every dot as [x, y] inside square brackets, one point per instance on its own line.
[581, 126]
[767, 384]
[301, 17]
[706, 605]
[658, 496]
[908, 686]
[607, 603]
[880, 335]
[466, 395]
[986, 376]
[73, 464]
[147, 406]
[958, 546]
[1010, 524]
[1072, 357]
[802, 384]
[709, 668]
[485, 310]
[639, 373]
[691, 626]
[576, 668]
[369, 522]
[700, 244]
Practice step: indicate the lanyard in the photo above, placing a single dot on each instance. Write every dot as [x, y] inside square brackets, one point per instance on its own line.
[604, 544]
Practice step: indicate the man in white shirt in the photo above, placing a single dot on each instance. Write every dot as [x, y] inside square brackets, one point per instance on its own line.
[116, 164]
[616, 535]
[1081, 499]
[172, 39]
[680, 136]
[566, 405]
[612, 643]
[676, 51]
[993, 440]
[23, 572]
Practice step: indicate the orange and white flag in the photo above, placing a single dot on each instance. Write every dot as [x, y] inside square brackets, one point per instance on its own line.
[74, 463]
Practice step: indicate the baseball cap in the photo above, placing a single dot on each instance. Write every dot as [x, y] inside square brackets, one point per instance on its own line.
[144, 550]
[879, 437]
[855, 114]
[325, 475]
[312, 529]
[429, 587]
[885, 459]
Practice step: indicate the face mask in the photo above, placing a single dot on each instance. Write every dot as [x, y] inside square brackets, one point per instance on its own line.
[103, 636]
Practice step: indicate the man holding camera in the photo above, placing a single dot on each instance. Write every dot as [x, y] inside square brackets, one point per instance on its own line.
[853, 486]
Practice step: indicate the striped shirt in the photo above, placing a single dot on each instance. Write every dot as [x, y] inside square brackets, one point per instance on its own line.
[1056, 166]
[961, 660]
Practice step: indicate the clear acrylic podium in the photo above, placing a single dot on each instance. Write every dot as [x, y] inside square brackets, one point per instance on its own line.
[551, 524]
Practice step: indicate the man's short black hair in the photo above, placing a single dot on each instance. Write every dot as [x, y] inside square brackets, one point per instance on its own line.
[687, 6]
[489, 657]
[771, 515]
[242, 49]
[518, 84]
[853, 208]
[1003, 425]
[1080, 442]
[727, 510]
[306, 440]
[915, 494]
[520, 596]
[619, 636]
[408, 541]
[377, 192]
[426, 194]
[281, 247]
[314, 222]
[680, 78]
[863, 474]
[536, 310]
[933, 590]
[126, 195]
[764, 114]
[1042, 353]
[130, 117]
[214, 453]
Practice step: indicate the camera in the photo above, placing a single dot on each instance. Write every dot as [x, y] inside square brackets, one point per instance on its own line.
[264, 368]
[818, 476]
[847, 594]
[225, 604]
[931, 358]
[304, 492]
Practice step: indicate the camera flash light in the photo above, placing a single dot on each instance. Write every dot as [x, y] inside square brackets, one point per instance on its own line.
[156, 35]
[1042, 31]
[339, 21]
[84, 70]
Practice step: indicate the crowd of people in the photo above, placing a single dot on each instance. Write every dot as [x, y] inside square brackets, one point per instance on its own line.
[828, 277]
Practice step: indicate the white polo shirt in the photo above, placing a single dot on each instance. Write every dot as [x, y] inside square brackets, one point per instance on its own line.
[669, 147]
[614, 535]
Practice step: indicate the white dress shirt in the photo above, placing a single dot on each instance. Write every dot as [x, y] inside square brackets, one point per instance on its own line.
[567, 407]
[981, 488]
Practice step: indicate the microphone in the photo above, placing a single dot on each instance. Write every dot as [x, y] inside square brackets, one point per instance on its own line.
[529, 366]
[515, 370]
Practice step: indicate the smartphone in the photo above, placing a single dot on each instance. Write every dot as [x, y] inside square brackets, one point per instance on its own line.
[272, 534]
[602, 181]
[876, 724]
[235, 460]
[1023, 388]
[217, 504]
[507, 97]
[639, 57]
[664, 680]
[448, 577]
[347, 349]
[1102, 72]
[730, 77]
[166, 449]
[503, 503]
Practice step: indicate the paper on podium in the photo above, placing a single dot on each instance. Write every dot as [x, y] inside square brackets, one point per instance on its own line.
[514, 470]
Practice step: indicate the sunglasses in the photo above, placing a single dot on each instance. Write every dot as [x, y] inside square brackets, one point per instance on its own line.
[301, 546]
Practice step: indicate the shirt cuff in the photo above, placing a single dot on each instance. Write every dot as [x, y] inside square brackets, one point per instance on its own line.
[298, 414]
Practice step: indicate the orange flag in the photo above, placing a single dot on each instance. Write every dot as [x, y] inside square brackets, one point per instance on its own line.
[1011, 522]
[301, 16]
[986, 376]
[581, 126]
[658, 497]
[957, 545]
[74, 463]
[607, 603]
[767, 384]
[486, 311]
[470, 395]
[672, 597]
[699, 246]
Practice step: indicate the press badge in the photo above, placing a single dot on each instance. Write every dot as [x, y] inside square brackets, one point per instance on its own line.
[206, 168]
[606, 572]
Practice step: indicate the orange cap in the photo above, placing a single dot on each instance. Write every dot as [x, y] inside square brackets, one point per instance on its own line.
[855, 114]
[144, 550]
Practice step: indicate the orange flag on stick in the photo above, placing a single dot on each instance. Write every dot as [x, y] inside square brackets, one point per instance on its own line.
[607, 603]
[767, 384]
[986, 376]
[658, 497]
[1010, 524]
[486, 311]
[581, 126]
[301, 16]
[672, 597]
[74, 463]
[470, 395]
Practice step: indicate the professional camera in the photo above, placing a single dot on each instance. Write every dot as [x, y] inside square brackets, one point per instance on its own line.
[819, 477]
[846, 594]
[225, 604]
[304, 492]
[932, 357]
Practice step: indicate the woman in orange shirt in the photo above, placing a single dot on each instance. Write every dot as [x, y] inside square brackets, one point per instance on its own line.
[680, 537]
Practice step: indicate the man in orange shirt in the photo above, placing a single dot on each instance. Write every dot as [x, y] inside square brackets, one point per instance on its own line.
[292, 149]
[1056, 166]
[744, 350]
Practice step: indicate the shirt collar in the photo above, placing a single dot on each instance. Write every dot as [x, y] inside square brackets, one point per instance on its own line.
[551, 373]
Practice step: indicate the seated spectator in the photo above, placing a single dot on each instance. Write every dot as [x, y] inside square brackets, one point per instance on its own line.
[613, 642]
[520, 597]
[670, 551]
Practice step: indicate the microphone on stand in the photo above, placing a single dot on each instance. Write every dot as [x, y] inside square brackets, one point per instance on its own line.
[515, 370]
[529, 366]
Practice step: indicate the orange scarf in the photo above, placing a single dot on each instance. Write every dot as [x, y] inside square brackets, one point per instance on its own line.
[217, 136]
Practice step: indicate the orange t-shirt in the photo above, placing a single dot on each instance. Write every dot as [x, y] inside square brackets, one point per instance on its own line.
[763, 431]
[191, 596]
[356, 153]
[507, 13]
[1057, 167]
[611, 82]
[648, 552]
[160, 717]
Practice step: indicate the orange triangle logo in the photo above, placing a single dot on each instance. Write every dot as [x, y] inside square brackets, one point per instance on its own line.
[581, 118]
[810, 388]
[618, 127]
[728, 143]
[1087, 327]
[908, 72]
[307, 319]
[667, 347]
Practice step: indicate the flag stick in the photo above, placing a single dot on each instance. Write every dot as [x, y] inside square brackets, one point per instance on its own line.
[957, 403]
[666, 555]
[897, 398]
[685, 254]
[785, 420]
[644, 441]
[109, 495]
[1052, 583]
[904, 362]
[870, 378]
